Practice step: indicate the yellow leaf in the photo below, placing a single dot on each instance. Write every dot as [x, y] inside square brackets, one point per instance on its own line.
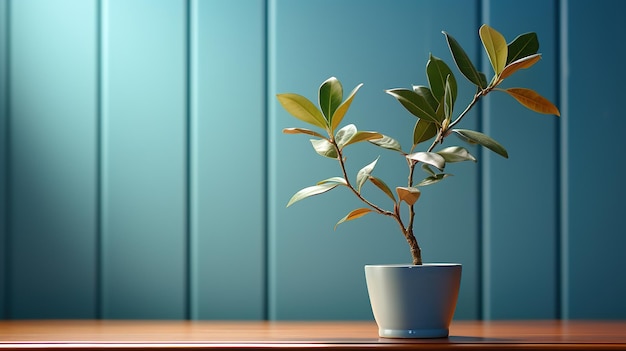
[496, 47]
[533, 101]
[302, 108]
[343, 108]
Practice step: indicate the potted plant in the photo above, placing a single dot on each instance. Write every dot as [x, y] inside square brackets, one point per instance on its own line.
[414, 300]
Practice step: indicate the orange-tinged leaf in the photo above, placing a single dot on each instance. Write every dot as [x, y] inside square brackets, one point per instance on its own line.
[363, 136]
[533, 100]
[382, 186]
[409, 195]
[522, 63]
[359, 212]
[302, 131]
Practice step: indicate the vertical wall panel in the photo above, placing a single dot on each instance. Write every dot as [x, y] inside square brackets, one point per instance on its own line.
[315, 272]
[521, 193]
[594, 166]
[144, 159]
[4, 166]
[53, 128]
[183, 157]
[229, 158]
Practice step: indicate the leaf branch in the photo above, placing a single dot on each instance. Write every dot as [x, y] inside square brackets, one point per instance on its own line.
[352, 188]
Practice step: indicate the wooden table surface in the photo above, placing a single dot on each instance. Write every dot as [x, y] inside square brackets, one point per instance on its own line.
[474, 335]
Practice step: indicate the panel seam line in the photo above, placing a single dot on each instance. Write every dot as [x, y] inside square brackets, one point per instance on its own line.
[99, 168]
[190, 305]
[8, 162]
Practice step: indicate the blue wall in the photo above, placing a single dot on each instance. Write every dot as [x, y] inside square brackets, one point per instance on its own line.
[143, 173]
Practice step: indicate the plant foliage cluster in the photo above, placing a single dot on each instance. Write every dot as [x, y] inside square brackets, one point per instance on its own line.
[436, 119]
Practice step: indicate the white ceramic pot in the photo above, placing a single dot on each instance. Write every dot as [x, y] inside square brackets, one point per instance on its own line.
[413, 301]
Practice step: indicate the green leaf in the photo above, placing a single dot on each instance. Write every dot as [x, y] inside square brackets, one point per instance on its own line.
[533, 101]
[311, 191]
[428, 170]
[456, 154]
[364, 174]
[415, 104]
[441, 113]
[324, 148]
[409, 195]
[438, 72]
[382, 186]
[330, 97]
[496, 47]
[427, 95]
[429, 158]
[343, 108]
[524, 45]
[302, 108]
[433, 179]
[522, 63]
[464, 63]
[483, 78]
[359, 212]
[482, 139]
[448, 99]
[302, 131]
[423, 131]
[387, 142]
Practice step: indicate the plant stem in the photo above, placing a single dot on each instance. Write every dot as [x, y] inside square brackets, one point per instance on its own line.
[407, 231]
[477, 96]
[416, 251]
[357, 193]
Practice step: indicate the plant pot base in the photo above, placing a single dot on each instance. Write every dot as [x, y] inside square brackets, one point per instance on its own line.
[413, 301]
[413, 333]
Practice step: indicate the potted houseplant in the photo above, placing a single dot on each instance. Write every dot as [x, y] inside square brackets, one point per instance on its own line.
[417, 299]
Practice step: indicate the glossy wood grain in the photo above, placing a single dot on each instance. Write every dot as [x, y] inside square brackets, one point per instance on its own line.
[531, 335]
